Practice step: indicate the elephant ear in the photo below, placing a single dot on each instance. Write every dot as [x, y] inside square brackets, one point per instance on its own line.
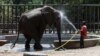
[48, 9]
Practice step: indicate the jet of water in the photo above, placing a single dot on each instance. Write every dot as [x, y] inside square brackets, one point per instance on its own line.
[64, 18]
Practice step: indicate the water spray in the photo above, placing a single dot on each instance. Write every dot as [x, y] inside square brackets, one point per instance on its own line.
[76, 31]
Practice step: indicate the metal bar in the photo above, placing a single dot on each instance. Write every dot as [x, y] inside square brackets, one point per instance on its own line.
[51, 4]
[12, 7]
[16, 16]
[98, 18]
[94, 19]
[3, 17]
[0, 14]
[90, 17]
[78, 17]
[74, 17]
[86, 14]
[20, 7]
[24, 7]
[8, 16]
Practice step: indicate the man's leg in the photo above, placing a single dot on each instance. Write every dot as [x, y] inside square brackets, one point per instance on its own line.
[81, 42]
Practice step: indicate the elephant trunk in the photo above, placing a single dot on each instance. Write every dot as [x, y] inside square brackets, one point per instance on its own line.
[59, 35]
[58, 28]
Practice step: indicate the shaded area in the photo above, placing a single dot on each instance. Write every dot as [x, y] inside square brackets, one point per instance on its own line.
[47, 42]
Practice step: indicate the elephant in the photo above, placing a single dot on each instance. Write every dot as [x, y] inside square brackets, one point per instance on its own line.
[33, 23]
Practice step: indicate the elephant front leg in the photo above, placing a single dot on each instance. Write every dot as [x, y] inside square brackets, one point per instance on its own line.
[39, 34]
[37, 45]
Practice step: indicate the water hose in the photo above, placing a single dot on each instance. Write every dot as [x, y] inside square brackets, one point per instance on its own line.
[66, 41]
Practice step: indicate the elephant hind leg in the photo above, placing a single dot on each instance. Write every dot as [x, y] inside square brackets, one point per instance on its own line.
[27, 42]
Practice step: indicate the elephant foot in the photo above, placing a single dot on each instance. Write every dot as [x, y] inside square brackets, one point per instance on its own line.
[27, 49]
[38, 47]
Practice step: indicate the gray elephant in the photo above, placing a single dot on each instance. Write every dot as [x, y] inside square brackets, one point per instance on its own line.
[33, 23]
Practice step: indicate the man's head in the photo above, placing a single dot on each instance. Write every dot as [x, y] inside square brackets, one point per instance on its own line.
[83, 22]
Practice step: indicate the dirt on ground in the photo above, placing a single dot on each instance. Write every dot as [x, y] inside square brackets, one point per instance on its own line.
[10, 54]
[91, 51]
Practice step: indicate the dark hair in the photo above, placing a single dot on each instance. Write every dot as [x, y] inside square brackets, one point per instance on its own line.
[83, 22]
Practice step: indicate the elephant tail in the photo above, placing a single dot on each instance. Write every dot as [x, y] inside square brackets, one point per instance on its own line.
[13, 44]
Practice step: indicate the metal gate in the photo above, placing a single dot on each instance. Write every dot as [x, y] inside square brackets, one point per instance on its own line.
[10, 14]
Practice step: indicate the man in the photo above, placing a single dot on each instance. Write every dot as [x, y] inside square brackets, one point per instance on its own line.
[83, 34]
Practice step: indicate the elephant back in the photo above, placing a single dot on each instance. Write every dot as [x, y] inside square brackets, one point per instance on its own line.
[32, 13]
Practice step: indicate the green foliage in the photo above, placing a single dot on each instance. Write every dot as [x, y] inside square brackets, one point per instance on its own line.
[92, 1]
[36, 1]
[49, 1]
